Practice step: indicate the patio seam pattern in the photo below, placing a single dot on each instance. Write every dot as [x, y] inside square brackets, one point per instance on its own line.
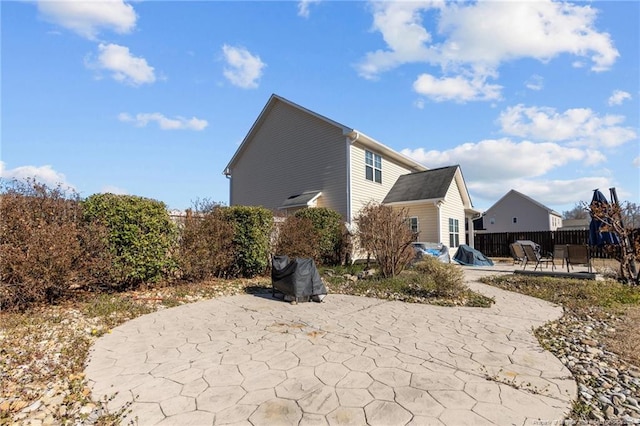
[351, 360]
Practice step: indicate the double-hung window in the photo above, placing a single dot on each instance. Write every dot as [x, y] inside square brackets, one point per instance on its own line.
[373, 166]
[454, 236]
[413, 224]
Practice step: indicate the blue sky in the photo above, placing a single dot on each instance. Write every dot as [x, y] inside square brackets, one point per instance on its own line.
[153, 98]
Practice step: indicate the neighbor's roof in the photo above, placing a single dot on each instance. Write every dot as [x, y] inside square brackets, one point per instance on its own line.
[420, 186]
[526, 197]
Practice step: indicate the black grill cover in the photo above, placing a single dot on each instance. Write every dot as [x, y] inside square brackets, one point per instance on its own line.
[470, 256]
[296, 277]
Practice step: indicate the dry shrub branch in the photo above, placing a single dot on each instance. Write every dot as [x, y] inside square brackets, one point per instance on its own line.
[297, 237]
[45, 245]
[384, 233]
[628, 252]
[206, 245]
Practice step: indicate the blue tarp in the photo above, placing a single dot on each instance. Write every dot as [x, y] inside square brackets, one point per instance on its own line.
[437, 250]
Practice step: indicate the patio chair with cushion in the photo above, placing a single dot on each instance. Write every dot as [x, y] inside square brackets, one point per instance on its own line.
[578, 255]
[532, 256]
[517, 253]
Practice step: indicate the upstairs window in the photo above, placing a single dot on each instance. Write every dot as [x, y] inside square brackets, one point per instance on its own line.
[454, 233]
[373, 166]
[515, 220]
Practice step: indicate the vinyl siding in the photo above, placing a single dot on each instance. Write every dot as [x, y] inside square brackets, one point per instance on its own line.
[291, 152]
[364, 191]
[453, 207]
[530, 217]
[427, 214]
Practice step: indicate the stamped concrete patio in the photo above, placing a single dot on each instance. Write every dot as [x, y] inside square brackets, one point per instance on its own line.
[254, 360]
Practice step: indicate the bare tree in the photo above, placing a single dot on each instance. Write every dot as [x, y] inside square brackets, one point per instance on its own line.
[383, 232]
[631, 215]
[577, 212]
[613, 218]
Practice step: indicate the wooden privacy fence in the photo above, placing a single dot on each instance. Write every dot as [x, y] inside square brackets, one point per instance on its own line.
[497, 244]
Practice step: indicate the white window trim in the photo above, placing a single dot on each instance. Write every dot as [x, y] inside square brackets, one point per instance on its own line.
[374, 157]
[410, 219]
[454, 235]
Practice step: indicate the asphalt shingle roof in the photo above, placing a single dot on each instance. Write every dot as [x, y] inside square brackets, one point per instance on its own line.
[299, 199]
[427, 185]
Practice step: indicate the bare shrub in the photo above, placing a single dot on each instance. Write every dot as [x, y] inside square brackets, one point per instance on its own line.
[297, 237]
[45, 247]
[206, 244]
[447, 280]
[628, 253]
[383, 232]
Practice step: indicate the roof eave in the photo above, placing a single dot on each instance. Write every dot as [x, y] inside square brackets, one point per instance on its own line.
[429, 200]
[357, 136]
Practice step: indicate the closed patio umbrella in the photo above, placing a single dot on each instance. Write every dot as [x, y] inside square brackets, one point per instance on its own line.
[598, 237]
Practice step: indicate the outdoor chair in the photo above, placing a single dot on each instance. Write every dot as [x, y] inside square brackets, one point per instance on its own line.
[517, 253]
[530, 255]
[559, 253]
[578, 255]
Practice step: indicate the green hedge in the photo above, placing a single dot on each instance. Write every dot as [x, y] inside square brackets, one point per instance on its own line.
[141, 235]
[251, 239]
[329, 226]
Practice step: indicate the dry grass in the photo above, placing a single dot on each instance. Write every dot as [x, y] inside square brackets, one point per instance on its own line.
[43, 350]
[625, 340]
[610, 298]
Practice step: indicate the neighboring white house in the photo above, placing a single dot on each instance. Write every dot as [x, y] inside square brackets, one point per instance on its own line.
[517, 212]
[294, 158]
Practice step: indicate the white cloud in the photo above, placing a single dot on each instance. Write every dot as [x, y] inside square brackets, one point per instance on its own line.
[400, 24]
[124, 67]
[303, 7]
[419, 103]
[578, 126]
[535, 82]
[243, 69]
[549, 192]
[110, 189]
[457, 88]
[88, 17]
[493, 167]
[636, 162]
[43, 174]
[618, 97]
[461, 40]
[165, 123]
[496, 160]
[540, 30]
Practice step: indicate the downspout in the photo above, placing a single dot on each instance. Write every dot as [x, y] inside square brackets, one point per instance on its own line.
[227, 174]
[350, 141]
[438, 204]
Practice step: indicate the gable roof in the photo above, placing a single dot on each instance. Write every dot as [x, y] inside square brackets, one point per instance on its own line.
[263, 115]
[513, 192]
[428, 185]
[353, 135]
